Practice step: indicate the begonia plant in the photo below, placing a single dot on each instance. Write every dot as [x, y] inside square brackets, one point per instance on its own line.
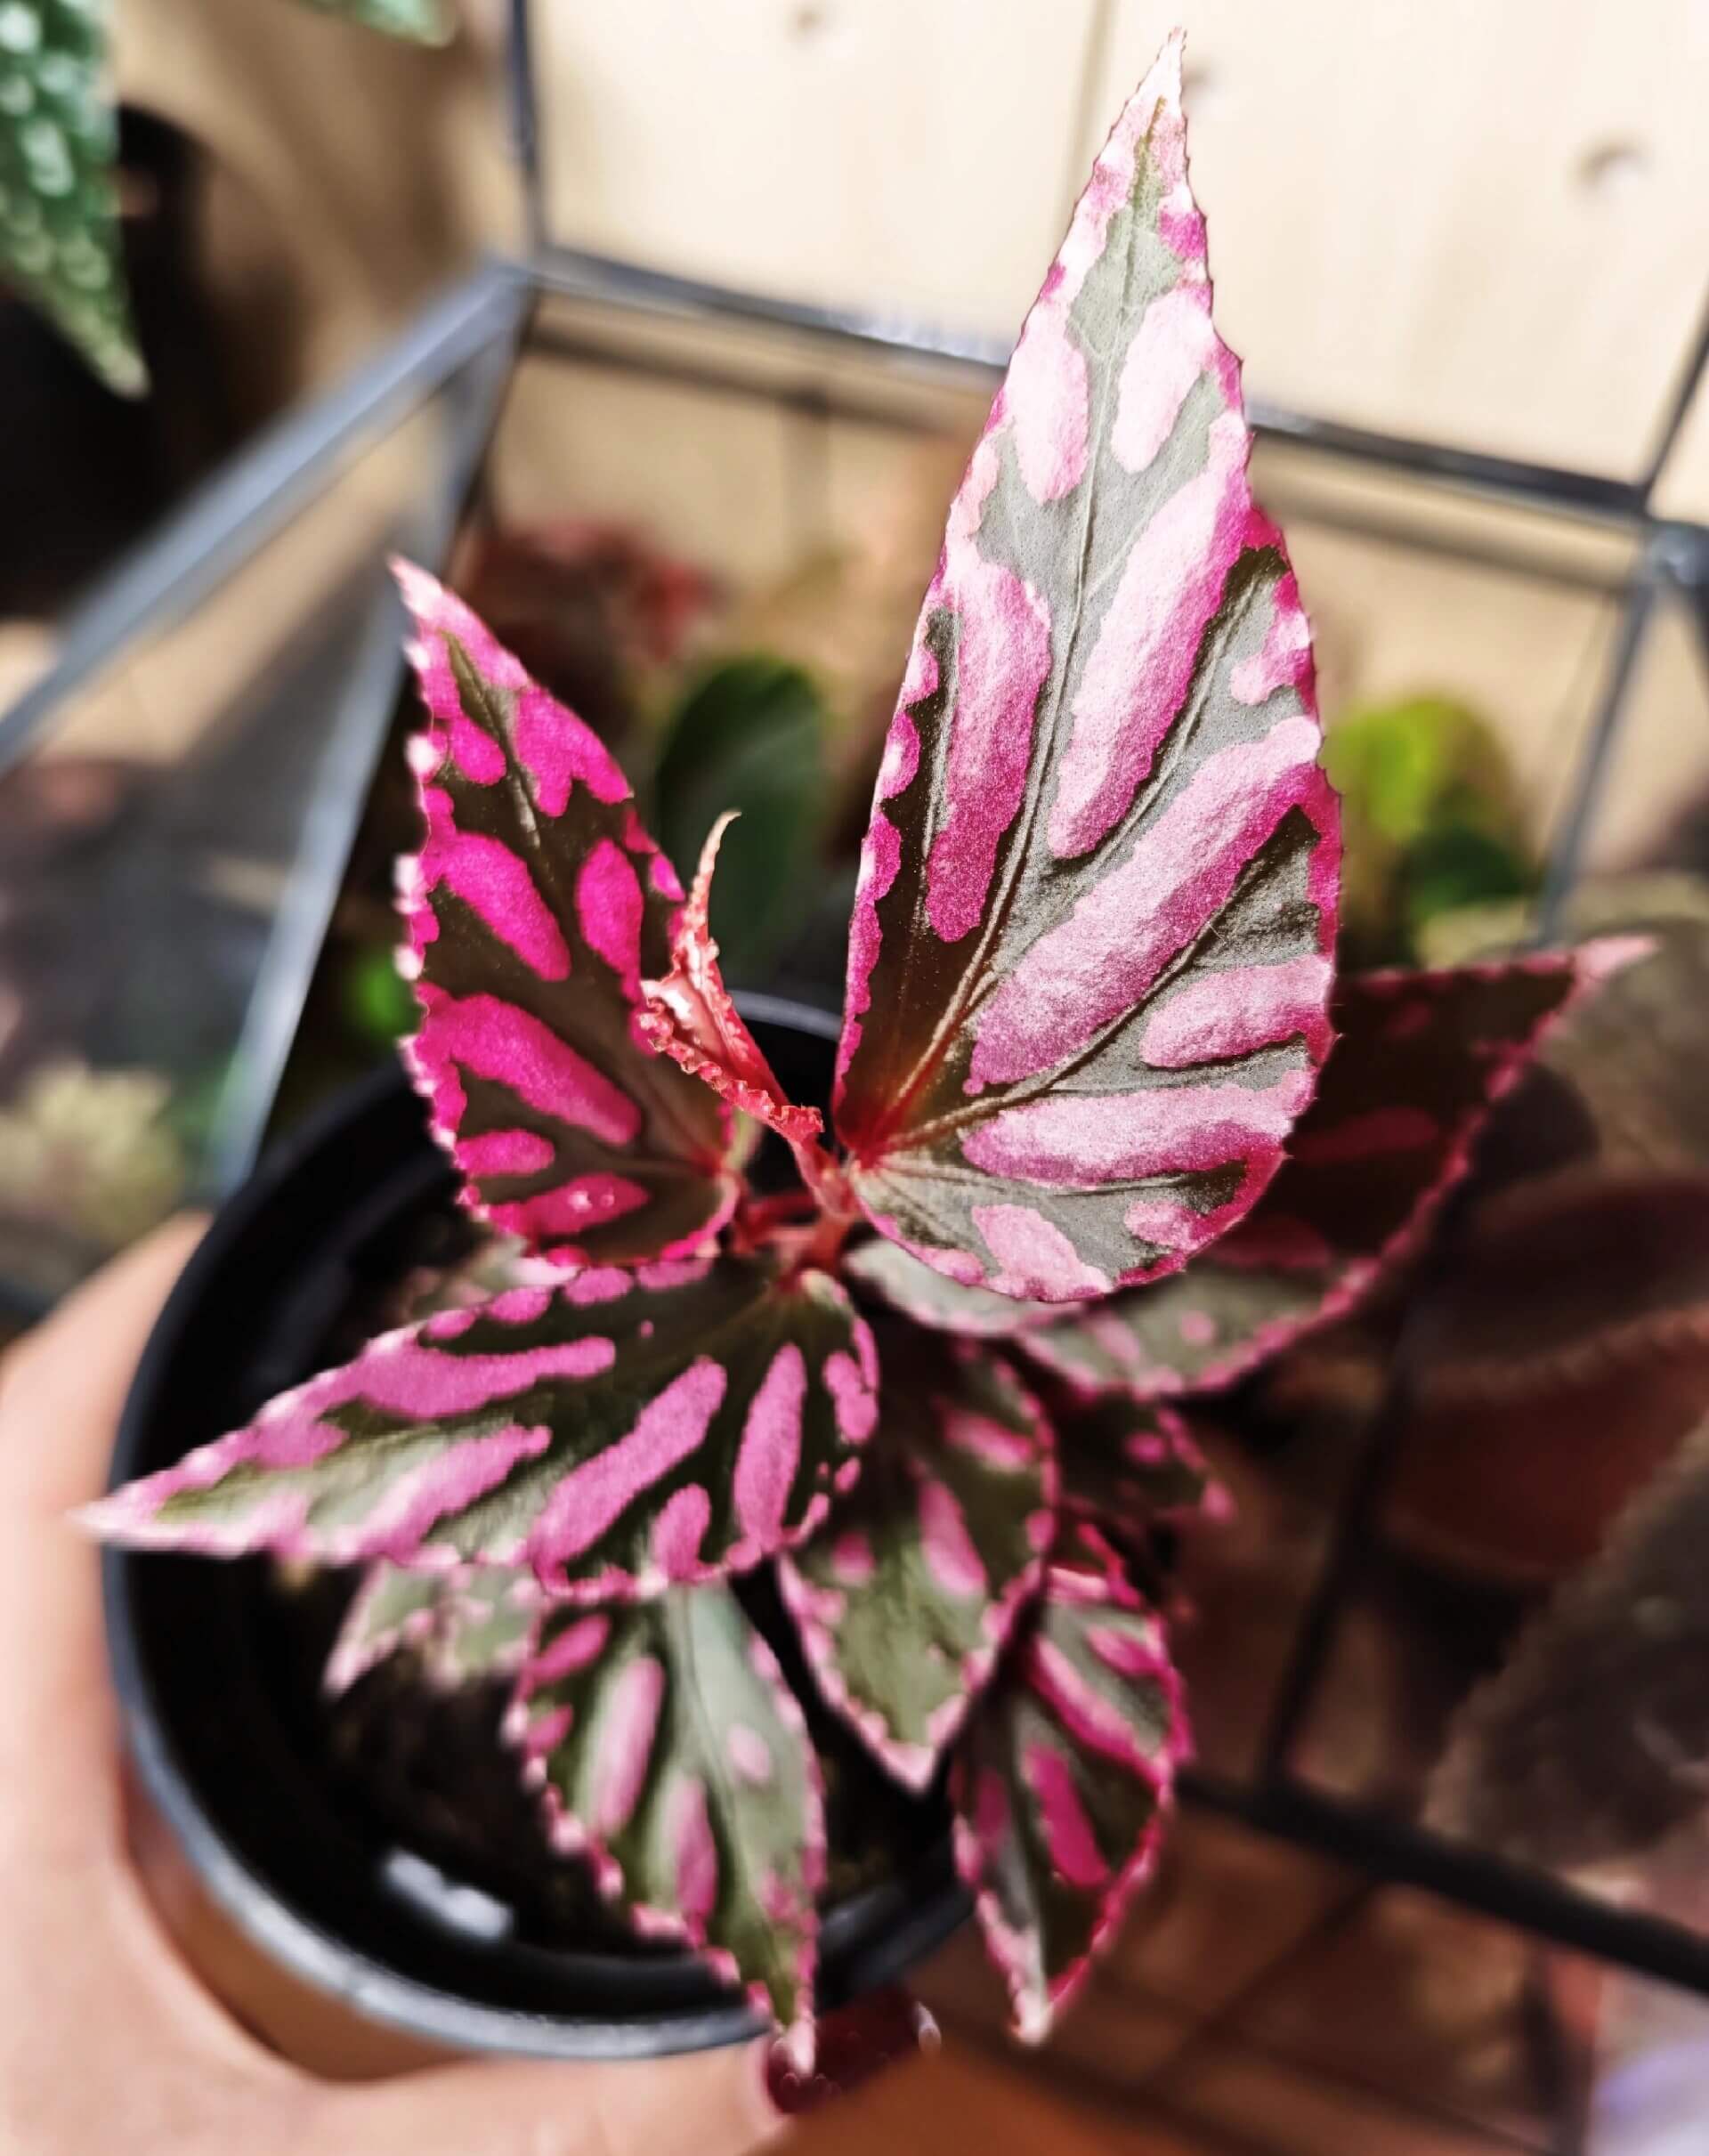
[1105, 1135]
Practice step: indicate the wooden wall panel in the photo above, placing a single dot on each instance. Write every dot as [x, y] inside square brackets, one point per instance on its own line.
[709, 474]
[1488, 224]
[1524, 651]
[892, 154]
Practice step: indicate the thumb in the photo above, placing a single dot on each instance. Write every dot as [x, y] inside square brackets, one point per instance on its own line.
[707, 2103]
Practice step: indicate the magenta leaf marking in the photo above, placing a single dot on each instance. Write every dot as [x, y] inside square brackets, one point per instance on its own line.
[614, 1434]
[1061, 1783]
[1419, 1061]
[1129, 1466]
[904, 1601]
[537, 904]
[672, 1756]
[1090, 954]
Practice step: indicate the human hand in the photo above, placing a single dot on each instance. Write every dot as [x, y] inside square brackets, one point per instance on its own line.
[106, 2038]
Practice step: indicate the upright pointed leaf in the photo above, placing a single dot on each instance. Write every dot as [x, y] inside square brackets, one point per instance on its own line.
[59, 214]
[1090, 958]
[751, 734]
[616, 1434]
[1061, 1783]
[1421, 1060]
[535, 907]
[905, 1599]
[671, 1754]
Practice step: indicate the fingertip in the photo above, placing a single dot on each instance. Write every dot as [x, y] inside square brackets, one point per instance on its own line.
[852, 2046]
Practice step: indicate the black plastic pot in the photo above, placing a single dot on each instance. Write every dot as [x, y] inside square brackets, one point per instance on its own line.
[326, 1890]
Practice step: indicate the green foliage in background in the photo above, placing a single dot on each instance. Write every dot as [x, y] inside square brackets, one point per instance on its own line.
[1430, 821]
[379, 1005]
[419, 21]
[59, 217]
[59, 134]
[749, 735]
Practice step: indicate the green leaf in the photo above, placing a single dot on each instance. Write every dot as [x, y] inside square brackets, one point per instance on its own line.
[1061, 1783]
[392, 1609]
[465, 1625]
[905, 1599]
[672, 1755]
[420, 21]
[749, 736]
[616, 1433]
[1090, 952]
[59, 210]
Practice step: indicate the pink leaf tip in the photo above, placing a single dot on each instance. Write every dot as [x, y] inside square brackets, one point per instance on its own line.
[690, 1016]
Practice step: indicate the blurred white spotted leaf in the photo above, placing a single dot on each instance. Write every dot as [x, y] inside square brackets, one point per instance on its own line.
[59, 210]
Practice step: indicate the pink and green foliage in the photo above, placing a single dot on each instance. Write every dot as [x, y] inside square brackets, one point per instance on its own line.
[535, 909]
[675, 1759]
[1090, 962]
[1060, 1788]
[1134, 1466]
[615, 1434]
[463, 1626]
[1089, 995]
[1420, 1061]
[948, 1524]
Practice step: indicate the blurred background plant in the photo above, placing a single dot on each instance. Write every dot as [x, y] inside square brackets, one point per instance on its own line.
[1430, 821]
[61, 244]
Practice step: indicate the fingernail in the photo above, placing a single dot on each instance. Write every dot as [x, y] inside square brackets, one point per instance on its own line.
[854, 2044]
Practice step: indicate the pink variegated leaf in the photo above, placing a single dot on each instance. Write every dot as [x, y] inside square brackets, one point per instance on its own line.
[1062, 1781]
[464, 1626]
[932, 1299]
[1090, 954]
[1420, 1061]
[904, 1601]
[488, 1618]
[671, 1754]
[690, 1016]
[612, 1435]
[536, 905]
[1132, 1465]
[391, 1610]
